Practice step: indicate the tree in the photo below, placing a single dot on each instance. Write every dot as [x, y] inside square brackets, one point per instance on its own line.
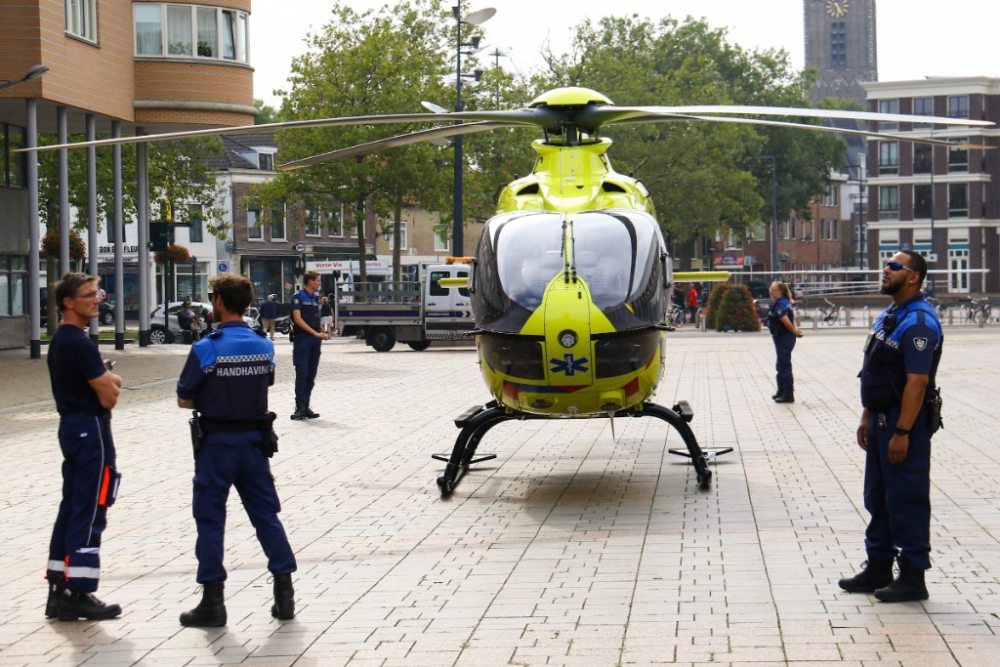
[703, 176]
[364, 64]
[265, 113]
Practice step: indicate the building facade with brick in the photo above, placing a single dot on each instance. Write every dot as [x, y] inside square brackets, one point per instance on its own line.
[941, 201]
[144, 66]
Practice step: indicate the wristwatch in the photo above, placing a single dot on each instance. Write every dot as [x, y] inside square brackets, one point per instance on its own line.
[901, 431]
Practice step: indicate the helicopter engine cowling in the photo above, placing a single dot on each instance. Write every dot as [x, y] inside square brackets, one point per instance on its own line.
[568, 307]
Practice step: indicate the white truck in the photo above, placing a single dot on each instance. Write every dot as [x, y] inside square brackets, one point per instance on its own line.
[415, 313]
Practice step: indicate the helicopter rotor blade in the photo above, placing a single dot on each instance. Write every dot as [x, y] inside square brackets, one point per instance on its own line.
[807, 126]
[598, 115]
[393, 142]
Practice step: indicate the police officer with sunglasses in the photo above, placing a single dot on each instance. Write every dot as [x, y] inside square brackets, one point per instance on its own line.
[897, 380]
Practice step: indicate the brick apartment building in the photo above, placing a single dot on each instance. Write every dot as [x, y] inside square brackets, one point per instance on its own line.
[942, 202]
[153, 66]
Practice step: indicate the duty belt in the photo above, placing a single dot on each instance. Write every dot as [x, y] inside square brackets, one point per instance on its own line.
[226, 426]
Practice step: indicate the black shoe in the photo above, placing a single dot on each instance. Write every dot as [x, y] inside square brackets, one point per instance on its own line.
[299, 413]
[76, 605]
[874, 575]
[57, 586]
[777, 394]
[908, 587]
[211, 611]
[284, 597]
[307, 411]
[786, 396]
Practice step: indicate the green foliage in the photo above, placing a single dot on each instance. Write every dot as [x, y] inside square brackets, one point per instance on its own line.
[736, 311]
[265, 113]
[178, 176]
[714, 306]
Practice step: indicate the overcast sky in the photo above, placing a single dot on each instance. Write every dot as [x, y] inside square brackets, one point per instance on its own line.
[916, 38]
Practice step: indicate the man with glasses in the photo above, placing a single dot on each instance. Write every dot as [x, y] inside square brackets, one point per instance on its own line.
[85, 391]
[897, 377]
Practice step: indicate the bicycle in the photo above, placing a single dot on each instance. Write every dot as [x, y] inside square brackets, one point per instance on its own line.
[830, 313]
[979, 310]
[939, 307]
[677, 315]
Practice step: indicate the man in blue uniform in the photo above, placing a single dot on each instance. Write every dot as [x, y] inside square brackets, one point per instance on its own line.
[306, 341]
[900, 415]
[85, 392]
[226, 380]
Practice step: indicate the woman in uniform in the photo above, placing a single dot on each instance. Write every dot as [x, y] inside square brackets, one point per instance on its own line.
[781, 323]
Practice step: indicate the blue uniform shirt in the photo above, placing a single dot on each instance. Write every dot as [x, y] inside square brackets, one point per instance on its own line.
[73, 361]
[780, 308]
[308, 306]
[912, 344]
[228, 373]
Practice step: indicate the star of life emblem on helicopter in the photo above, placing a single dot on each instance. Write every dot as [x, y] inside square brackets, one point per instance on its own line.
[569, 365]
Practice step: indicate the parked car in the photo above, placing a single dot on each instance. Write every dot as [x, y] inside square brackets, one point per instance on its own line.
[759, 290]
[160, 334]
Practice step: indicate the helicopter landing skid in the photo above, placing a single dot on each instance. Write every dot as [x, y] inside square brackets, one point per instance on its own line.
[475, 422]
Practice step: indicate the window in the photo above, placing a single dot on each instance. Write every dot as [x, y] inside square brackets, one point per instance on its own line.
[791, 228]
[888, 157]
[188, 31]
[923, 201]
[335, 220]
[888, 106]
[829, 230]
[311, 219]
[958, 158]
[958, 200]
[831, 197]
[838, 45]
[888, 202]
[195, 218]
[402, 235]
[255, 232]
[923, 156]
[278, 222]
[441, 241]
[265, 161]
[923, 106]
[81, 18]
[807, 230]
[958, 106]
[13, 165]
[13, 282]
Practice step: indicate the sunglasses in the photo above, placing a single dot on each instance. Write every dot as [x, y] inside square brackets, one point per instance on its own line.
[897, 266]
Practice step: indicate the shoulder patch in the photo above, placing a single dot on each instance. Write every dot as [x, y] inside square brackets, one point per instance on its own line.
[920, 344]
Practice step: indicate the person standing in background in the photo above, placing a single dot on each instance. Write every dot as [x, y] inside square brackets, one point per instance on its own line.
[781, 324]
[306, 342]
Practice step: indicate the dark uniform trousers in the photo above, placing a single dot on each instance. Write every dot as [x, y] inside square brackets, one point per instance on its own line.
[784, 343]
[231, 459]
[897, 495]
[88, 453]
[305, 358]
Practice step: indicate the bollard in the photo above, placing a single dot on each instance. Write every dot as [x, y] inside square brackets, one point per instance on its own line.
[847, 317]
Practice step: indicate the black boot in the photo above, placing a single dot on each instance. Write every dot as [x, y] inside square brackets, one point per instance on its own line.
[211, 611]
[299, 413]
[284, 597]
[307, 411]
[908, 587]
[57, 585]
[75, 605]
[874, 575]
[778, 393]
[786, 396]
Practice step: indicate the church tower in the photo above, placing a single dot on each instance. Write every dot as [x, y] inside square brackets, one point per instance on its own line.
[841, 44]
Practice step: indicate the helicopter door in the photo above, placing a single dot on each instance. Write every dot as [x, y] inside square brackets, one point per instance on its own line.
[448, 309]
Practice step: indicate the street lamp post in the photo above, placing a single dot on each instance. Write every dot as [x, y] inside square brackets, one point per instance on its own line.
[475, 18]
[774, 210]
[34, 72]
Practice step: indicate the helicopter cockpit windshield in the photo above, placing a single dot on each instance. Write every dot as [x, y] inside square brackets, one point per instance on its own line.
[616, 253]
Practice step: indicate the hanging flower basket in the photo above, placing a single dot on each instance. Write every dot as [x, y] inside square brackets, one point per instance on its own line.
[176, 254]
[50, 244]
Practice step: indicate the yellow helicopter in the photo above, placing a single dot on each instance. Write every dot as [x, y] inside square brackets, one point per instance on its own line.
[570, 282]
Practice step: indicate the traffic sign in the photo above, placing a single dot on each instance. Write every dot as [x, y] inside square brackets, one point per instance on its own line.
[783, 257]
[223, 267]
